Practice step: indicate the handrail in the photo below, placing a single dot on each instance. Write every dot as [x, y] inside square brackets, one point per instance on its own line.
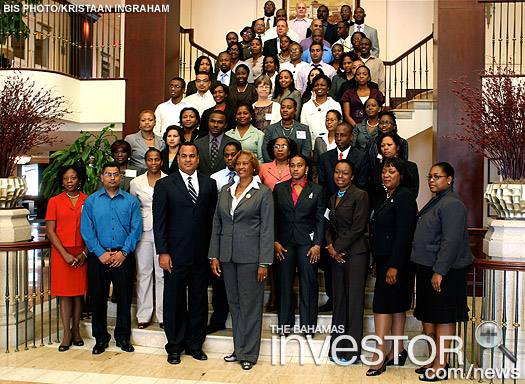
[499, 265]
[25, 245]
[191, 32]
[411, 50]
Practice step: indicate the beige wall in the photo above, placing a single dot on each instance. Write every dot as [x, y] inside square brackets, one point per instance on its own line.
[421, 155]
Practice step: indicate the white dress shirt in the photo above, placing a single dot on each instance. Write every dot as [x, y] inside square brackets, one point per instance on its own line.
[202, 103]
[224, 78]
[235, 201]
[293, 68]
[272, 34]
[315, 116]
[168, 114]
[300, 27]
[302, 76]
[346, 43]
[222, 178]
[345, 153]
[329, 146]
[194, 180]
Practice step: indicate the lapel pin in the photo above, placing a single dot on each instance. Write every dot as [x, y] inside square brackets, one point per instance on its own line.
[248, 196]
[311, 195]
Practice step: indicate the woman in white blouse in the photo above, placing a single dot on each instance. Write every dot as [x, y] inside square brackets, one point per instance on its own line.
[145, 253]
[314, 111]
[326, 142]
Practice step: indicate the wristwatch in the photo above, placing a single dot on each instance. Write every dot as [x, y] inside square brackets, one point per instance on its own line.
[124, 253]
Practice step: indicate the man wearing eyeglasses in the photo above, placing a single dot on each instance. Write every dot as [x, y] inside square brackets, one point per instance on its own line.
[111, 226]
[168, 113]
[203, 99]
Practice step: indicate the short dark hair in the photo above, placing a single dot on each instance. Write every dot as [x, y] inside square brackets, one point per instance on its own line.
[120, 144]
[245, 29]
[246, 105]
[110, 164]
[81, 173]
[177, 78]
[179, 130]
[357, 32]
[275, 61]
[292, 146]
[218, 112]
[319, 44]
[279, 89]
[322, 76]
[188, 144]
[198, 64]
[346, 161]
[352, 55]
[306, 160]
[392, 116]
[151, 150]
[194, 110]
[239, 46]
[446, 168]
[400, 165]
[337, 113]
[235, 144]
[244, 66]
[203, 73]
[397, 141]
[293, 101]
[224, 87]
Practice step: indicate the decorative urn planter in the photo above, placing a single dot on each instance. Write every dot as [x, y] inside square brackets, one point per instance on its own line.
[12, 189]
[507, 199]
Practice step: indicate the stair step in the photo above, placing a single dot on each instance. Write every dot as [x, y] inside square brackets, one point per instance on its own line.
[222, 341]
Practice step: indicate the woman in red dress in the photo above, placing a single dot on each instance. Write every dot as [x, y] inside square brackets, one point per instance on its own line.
[68, 252]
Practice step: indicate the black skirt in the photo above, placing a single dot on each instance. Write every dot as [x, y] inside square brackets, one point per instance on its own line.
[447, 306]
[395, 298]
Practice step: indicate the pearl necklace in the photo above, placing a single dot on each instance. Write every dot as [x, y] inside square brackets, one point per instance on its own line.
[72, 197]
[370, 125]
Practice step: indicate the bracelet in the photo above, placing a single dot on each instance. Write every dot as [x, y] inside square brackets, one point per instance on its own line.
[84, 253]
[263, 265]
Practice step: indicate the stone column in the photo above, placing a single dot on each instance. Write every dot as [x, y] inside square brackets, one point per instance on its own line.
[504, 290]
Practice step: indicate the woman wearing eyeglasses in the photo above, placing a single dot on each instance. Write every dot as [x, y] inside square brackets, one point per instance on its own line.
[266, 111]
[441, 250]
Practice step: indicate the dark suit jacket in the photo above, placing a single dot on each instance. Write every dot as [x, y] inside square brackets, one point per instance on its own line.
[326, 168]
[230, 119]
[273, 131]
[330, 35]
[164, 155]
[294, 224]
[247, 237]
[348, 222]
[203, 144]
[270, 47]
[392, 228]
[215, 78]
[441, 239]
[181, 228]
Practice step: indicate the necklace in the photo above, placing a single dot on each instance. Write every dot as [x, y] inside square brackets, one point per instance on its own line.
[246, 86]
[318, 104]
[146, 138]
[289, 130]
[370, 125]
[340, 194]
[72, 197]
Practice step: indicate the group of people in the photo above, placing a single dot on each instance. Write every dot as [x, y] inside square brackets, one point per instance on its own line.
[227, 188]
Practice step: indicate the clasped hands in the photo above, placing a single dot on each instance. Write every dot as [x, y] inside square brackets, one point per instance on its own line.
[335, 255]
[113, 259]
[75, 261]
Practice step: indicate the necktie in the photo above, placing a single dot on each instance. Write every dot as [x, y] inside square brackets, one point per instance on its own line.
[267, 23]
[231, 175]
[359, 28]
[191, 190]
[214, 150]
[341, 156]
[223, 78]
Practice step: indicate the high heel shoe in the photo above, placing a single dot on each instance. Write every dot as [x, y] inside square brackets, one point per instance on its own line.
[378, 371]
[63, 348]
[78, 343]
[401, 359]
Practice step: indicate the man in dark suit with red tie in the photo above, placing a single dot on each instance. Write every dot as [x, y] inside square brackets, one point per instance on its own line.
[183, 208]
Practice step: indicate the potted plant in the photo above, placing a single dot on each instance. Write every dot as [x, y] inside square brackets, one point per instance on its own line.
[494, 127]
[89, 151]
[28, 117]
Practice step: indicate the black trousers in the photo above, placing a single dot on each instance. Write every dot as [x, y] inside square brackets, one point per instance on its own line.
[185, 320]
[325, 263]
[308, 289]
[99, 278]
[219, 302]
[349, 281]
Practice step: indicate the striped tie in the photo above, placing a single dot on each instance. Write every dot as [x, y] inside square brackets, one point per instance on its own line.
[231, 176]
[191, 190]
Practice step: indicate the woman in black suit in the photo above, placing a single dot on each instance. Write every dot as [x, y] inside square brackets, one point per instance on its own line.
[220, 94]
[299, 230]
[173, 136]
[348, 248]
[390, 146]
[391, 231]
[189, 121]
[441, 250]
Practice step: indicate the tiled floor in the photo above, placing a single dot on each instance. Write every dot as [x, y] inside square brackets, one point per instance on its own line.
[148, 366]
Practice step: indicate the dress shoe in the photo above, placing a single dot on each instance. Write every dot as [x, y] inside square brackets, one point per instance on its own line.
[326, 307]
[421, 370]
[142, 325]
[213, 329]
[378, 371]
[246, 365]
[230, 358]
[125, 345]
[174, 358]
[100, 346]
[78, 343]
[63, 348]
[161, 325]
[197, 354]
[401, 359]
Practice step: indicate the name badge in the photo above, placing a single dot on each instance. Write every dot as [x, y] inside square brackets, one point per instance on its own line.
[269, 116]
[130, 173]
[327, 214]
[301, 135]
[149, 190]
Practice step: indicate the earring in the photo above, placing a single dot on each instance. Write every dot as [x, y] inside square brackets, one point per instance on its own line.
[449, 183]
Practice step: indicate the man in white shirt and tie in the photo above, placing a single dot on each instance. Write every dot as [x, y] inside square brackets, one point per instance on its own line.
[228, 174]
[168, 113]
[316, 53]
[370, 32]
[301, 23]
[269, 12]
[344, 37]
[203, 99]
[225, 74]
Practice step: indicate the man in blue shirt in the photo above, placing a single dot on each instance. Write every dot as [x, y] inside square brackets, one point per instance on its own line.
[317, 37]
[111, 226]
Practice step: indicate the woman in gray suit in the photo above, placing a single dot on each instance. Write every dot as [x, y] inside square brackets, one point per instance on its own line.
[242, 240]
[144, 139]
[146, 255]
[299, 229]
[441, 250]
[348, 248]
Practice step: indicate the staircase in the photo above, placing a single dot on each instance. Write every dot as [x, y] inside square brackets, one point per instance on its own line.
[222, 341]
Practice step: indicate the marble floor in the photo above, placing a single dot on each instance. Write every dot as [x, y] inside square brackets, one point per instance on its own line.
[148, 366]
